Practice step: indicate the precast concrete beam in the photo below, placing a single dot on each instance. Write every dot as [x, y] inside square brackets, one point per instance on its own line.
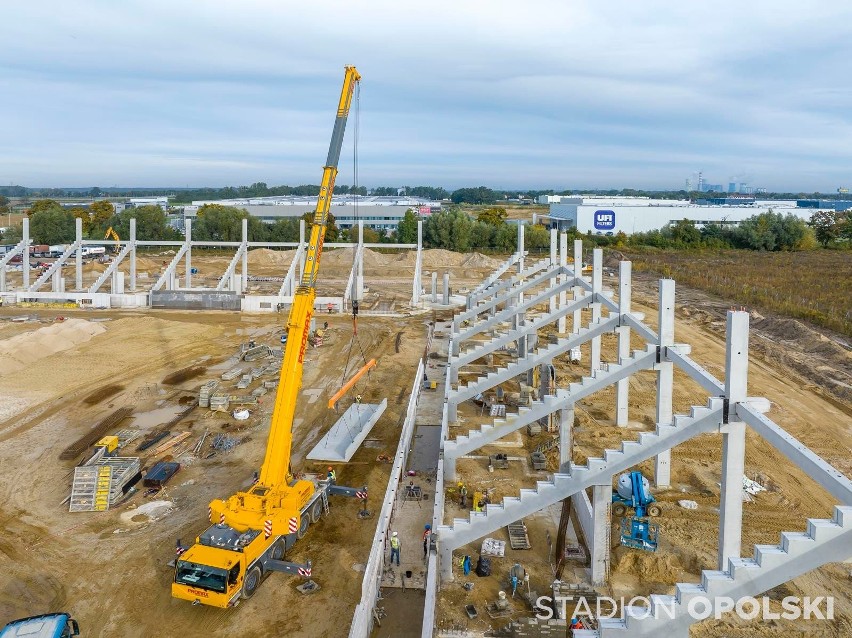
[504, 284]
[513, 310]
[595, 472]
[482, 290]
[543, 355]
[509, 297]
[495, 344]
[56, 266]
[564, 400]
[733, 439]
[288, 286]
[168, 275]
[106, 274]
[829, 478]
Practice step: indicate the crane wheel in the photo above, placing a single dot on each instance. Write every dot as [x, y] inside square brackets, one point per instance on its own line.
[303, 527]
[316, 511]
[277, 552]
[252, 582]
[654, 510]
[619, 509]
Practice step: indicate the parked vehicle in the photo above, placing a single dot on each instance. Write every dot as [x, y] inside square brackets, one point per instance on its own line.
[59, 625]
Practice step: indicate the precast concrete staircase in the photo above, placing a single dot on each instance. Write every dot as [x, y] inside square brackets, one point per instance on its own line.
[501, 285]
[824, 541]
[542, 355]
[500, 427]
[486, 347]
[597, 471]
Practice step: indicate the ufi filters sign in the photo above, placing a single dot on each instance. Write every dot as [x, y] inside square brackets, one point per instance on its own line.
[604, 219]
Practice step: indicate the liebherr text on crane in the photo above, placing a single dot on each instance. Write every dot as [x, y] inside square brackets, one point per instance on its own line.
[251, 531]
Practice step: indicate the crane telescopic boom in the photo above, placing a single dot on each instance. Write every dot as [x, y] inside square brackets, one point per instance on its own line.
[252, 530]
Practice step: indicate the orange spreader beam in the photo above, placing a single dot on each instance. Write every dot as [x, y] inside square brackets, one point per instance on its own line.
[370, 364]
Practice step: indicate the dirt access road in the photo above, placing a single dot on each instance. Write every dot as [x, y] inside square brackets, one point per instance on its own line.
[109, 568]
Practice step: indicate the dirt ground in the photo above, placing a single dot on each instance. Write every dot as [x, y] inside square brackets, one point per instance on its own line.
[788, 359]
[109, 569]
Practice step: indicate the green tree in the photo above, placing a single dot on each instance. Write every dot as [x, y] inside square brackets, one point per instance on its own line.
[101, 213]
[494, 216]
[216, 222]
[13, 235]
[406, 230]
[826, 225]
[536, 238]
[284, 229]
[85, 215]
[151, 224]
[450, 229]
[684, 232]
[41, 205]
[52, 226]
[479, 195]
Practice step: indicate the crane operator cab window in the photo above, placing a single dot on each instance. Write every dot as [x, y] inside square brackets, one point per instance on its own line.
[202, 576]
[234, 575]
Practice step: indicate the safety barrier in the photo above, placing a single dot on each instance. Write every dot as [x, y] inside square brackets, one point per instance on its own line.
[362, 620]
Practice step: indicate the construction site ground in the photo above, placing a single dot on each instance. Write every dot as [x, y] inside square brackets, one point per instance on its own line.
[787, 361]
[110, 569]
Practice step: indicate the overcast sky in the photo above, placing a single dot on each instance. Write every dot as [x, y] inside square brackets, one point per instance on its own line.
[509, 94]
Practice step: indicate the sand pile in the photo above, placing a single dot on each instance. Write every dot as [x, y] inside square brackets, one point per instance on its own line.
[21, 350]
[269, 257]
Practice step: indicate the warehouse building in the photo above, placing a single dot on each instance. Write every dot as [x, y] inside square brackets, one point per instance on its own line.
[611, 215]
[379, 213]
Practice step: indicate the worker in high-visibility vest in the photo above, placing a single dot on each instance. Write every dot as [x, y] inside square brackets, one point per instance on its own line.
[394, 543]
[462, 495]
[358, 399]
[332, 476]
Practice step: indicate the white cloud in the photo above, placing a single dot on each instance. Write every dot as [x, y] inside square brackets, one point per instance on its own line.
[543, 93]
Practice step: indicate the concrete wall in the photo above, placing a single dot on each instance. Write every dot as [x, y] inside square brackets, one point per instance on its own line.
[269, 303]
[362, 621]
[195, 300]
[82, 299]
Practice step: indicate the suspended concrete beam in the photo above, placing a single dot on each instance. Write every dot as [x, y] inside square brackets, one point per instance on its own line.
[345, 437]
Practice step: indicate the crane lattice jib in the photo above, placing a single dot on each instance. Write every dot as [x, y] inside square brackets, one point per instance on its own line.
[275, 471]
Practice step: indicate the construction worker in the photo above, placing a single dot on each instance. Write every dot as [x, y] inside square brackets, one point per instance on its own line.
[332, 476]
[358, 399]
[426, 532]
[479, 506]
[462, 496]
[576, 623]
[330, 307]
[394, 543]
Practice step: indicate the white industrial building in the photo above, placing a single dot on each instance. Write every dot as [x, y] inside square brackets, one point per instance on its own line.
[603, 215]
[380, 213]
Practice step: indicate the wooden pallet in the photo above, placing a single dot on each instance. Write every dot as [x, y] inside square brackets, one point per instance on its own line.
[518, 538]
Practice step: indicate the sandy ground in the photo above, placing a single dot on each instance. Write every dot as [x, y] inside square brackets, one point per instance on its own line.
[820, 415]
[109, 569]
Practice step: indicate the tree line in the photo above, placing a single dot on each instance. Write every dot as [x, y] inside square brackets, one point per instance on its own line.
[451, 229]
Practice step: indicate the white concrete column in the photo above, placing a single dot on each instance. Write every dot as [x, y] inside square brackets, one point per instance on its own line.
[188, 255]
[133, 254]
[733, 440]
[446, 289]
[78, 233]
[597, 288]
[244, 278]
[56, 280]
[117, 282]
[563, 278]
[25, 256]
[577, 291]
[418, 267]
[566, 434]
[553, 262]
[434, 287]
[623, 332]
[665, 378]
[599, 550]
[521, 248]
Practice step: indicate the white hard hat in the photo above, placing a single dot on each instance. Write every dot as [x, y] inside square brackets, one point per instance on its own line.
[394, 534]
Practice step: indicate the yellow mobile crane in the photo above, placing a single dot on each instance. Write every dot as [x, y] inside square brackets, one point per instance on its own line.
[252, 530]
